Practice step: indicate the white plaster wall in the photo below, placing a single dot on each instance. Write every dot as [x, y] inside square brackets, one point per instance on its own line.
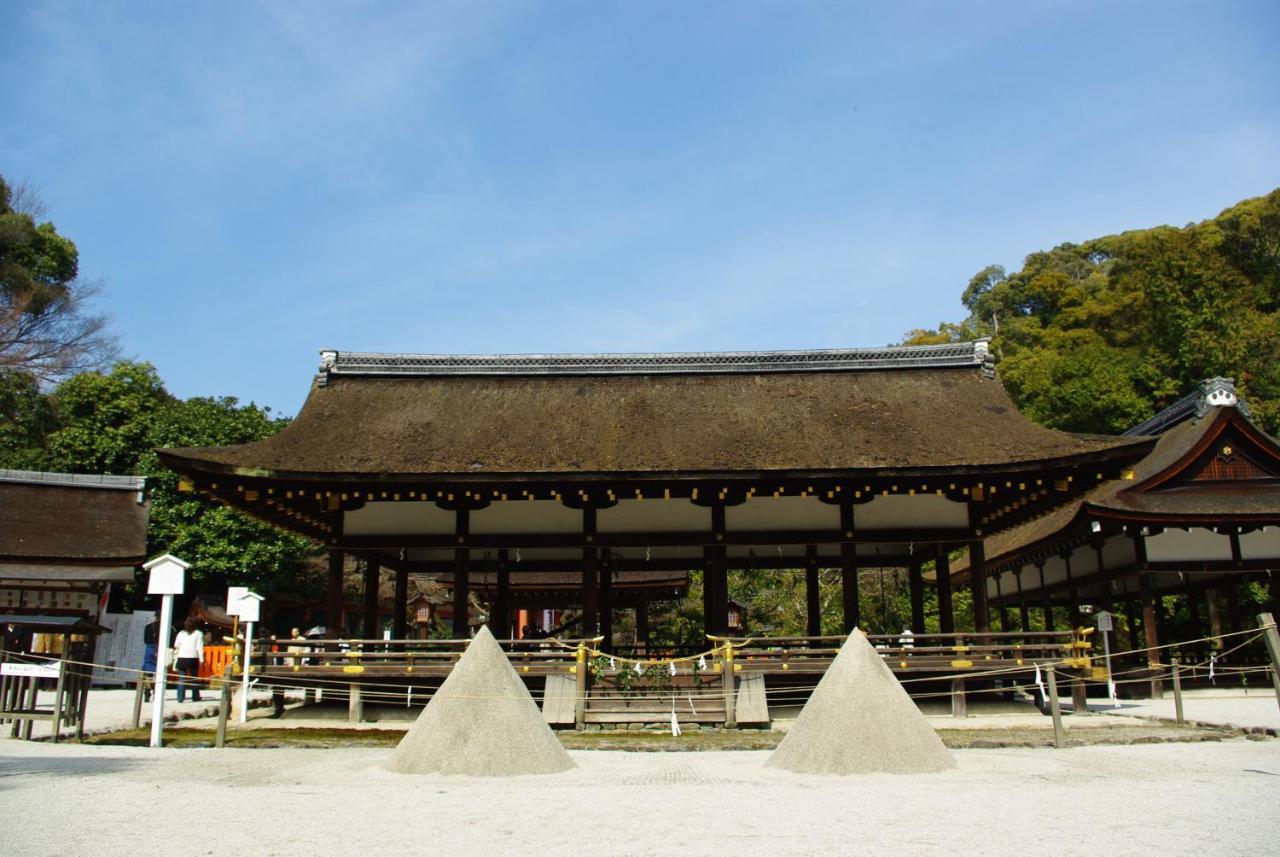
[1195, 544]
[905, 511]
[407, 517]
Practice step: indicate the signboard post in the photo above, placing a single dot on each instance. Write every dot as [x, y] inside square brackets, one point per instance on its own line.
[1105, 626]
[167, 574]
[243, 604]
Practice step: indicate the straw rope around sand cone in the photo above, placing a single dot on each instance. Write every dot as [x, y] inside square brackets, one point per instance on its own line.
[859, 720]
[482, 722]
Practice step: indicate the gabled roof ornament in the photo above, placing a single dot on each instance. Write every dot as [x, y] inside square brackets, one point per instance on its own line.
[328, 362]
[1219, 393]
[1210, 393]
[982, 352]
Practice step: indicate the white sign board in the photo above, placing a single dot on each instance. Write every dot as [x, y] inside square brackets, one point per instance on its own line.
[249, 609]
[235, 594]
[46, 670]
[1104, 621]
[243, 603]
[166, 579]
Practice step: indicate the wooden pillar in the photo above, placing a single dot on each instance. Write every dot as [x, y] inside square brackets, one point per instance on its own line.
[978, 584]
[1001, 611]
[1215, 615]
[1132, 611]
[709, 599]
[1233, 587]
[590, 591]
[1073, 597]
[642, 626]
[606, 604]
[1193, 610]
[1046, 603]
[372, 579]
[915, 581]
[1151, 630]
[500, 620]
[399, 613]
[849, 586]
[813, 608]
[946, 613]
[333, 597]
[1024, 617]
[1273, 590]
[461, 593]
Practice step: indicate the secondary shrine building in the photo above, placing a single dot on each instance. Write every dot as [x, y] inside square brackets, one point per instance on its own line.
[476, 467]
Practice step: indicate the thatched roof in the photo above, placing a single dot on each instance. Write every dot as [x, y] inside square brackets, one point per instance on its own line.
[65, 520]
[396, 416]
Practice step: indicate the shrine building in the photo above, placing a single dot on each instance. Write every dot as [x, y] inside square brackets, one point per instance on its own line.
[600, 465]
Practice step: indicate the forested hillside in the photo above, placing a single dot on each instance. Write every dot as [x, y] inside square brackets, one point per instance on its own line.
[1098, 336]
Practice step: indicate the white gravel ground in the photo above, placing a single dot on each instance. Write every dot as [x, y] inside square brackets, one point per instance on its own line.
[1166, 799]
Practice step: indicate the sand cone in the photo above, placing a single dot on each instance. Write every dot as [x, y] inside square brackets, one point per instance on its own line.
[859, 720]
[481, 722]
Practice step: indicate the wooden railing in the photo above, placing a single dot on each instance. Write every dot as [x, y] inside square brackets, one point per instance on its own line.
[968, 652]
[374, 658]
[945, 653]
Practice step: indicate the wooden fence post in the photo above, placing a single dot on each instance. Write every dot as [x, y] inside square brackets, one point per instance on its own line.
[1177, 690]
[730, 692]
[959, 701]
[138, 691]
[1059, 733]
[1267, 622]
[580, 688]
[224, 707]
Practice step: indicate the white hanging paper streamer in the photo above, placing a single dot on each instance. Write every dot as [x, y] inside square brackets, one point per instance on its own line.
[409, 701]
[691, 708]
[613, 665]
[1111, 689]
[672, 666]
[1213, 662]
[702, 663]
[675, 724]
[638, 670]
[1044, 695]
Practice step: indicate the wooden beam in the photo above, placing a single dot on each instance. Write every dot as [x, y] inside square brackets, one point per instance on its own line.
[372, 579]
[1024, 617]
[748, 538]
[500, 620]
[1152, 630]
[915, 581]
[849, 587]
[978, 585]
[946, 612]
[606, 605]
[399, 613]
[637, 562]
[813, 604]
[461, 593]
[333, 596]
[590, 592]
[1046, 604]
[642, 626]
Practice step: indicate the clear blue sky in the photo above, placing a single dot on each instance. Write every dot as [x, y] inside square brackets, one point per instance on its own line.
[255, 181]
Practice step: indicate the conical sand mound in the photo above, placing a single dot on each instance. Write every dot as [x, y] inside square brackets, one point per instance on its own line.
[860, 721]
[482, 722]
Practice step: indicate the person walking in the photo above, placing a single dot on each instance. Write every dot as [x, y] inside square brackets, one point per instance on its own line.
[188, 653]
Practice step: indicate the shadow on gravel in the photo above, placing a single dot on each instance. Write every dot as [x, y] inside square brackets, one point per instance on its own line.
[15, 771]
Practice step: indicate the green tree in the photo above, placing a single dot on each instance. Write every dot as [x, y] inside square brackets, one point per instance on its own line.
[1098, 336]
[46, 329]
[112, 423]
[26, 418]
